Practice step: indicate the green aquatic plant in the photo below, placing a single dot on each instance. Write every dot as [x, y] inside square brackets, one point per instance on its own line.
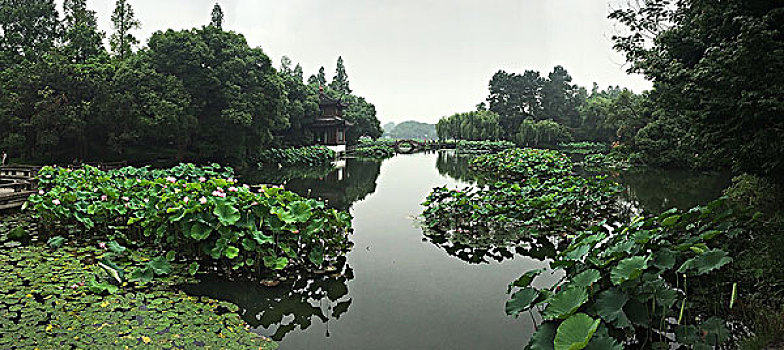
[464, 146]
[519, 164]
[552, 206]
[629, 284]
[376, 151]
[310, 156]
[62, 299]
[202, 214]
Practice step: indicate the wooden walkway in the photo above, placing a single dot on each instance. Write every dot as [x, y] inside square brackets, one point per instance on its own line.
[16, 184]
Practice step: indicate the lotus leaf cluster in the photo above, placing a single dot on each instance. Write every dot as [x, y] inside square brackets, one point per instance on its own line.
[520, 164]
[464, 146]
[584, 147]
[202, 215]
[377, 151]
[511, 211]
[49, 302]
[629, 285]
[310, 156]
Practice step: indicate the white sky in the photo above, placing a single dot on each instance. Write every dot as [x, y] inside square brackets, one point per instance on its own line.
[414, 59]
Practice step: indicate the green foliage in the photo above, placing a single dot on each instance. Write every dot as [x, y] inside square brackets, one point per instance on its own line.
[464, 146]
[523, 163]
[199, 213]
[715, 68]
[542, 133]
[632, 280]
[123, 21]
[583, 147]
[308, 156]
[58, 299]
[547, 201]
[374, 151]
[474, 126]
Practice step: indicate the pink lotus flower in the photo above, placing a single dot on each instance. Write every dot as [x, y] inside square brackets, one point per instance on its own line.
[146, 200]
[102, 245]
[261, 190]
[104, 197]
[171, 179]
[125, 198]
[74, 286]
[48, 176]
[186, 199]
[218, 194]
[138, 181]
[245, 186]
[233, 189]
[202, 179]
[56, 202]
[41, 192]
[203, 200]
[295, 232]
[254, 203]
[231, 180]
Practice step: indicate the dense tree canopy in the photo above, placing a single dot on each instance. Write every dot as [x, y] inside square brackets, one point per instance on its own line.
[474, 126]
[201, 94]
[716, 68]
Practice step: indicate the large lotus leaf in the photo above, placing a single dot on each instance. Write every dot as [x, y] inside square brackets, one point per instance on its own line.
[706, 262]
[143, 275]
[316, 256]
[227, 214]
[585, 279]
[603, 343]
[715, 331]
[160, 266]
[276, 263]
[300, 210]
[200, 231]
[521, 300]
[564, 303]
[628, 269]
[664, 259]
[575, 332]
[525, 280]
[609, 305]
[231, 252]
[543, 338]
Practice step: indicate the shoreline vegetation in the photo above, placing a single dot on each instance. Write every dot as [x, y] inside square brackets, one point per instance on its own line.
[133, 234]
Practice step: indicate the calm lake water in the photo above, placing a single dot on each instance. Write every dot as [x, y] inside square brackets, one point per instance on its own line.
[398, 289]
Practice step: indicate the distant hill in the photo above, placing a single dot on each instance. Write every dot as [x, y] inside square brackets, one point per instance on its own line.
[412, 130]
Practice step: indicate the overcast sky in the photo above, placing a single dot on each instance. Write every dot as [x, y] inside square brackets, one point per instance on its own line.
[414, 59]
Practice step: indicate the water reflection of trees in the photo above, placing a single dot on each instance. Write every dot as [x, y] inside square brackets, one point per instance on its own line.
[282, 309]
[340, 186]
[455, 166]
[484, 246]
[655, 190]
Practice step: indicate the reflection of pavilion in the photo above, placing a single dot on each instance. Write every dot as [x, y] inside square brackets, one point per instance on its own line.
[344, 185]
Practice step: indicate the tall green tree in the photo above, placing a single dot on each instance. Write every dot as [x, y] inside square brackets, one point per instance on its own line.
[82, 39]
[340, 80]
[28, 30]
[217, 16]
[124, 21]
[238, 97]
[716, 69]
